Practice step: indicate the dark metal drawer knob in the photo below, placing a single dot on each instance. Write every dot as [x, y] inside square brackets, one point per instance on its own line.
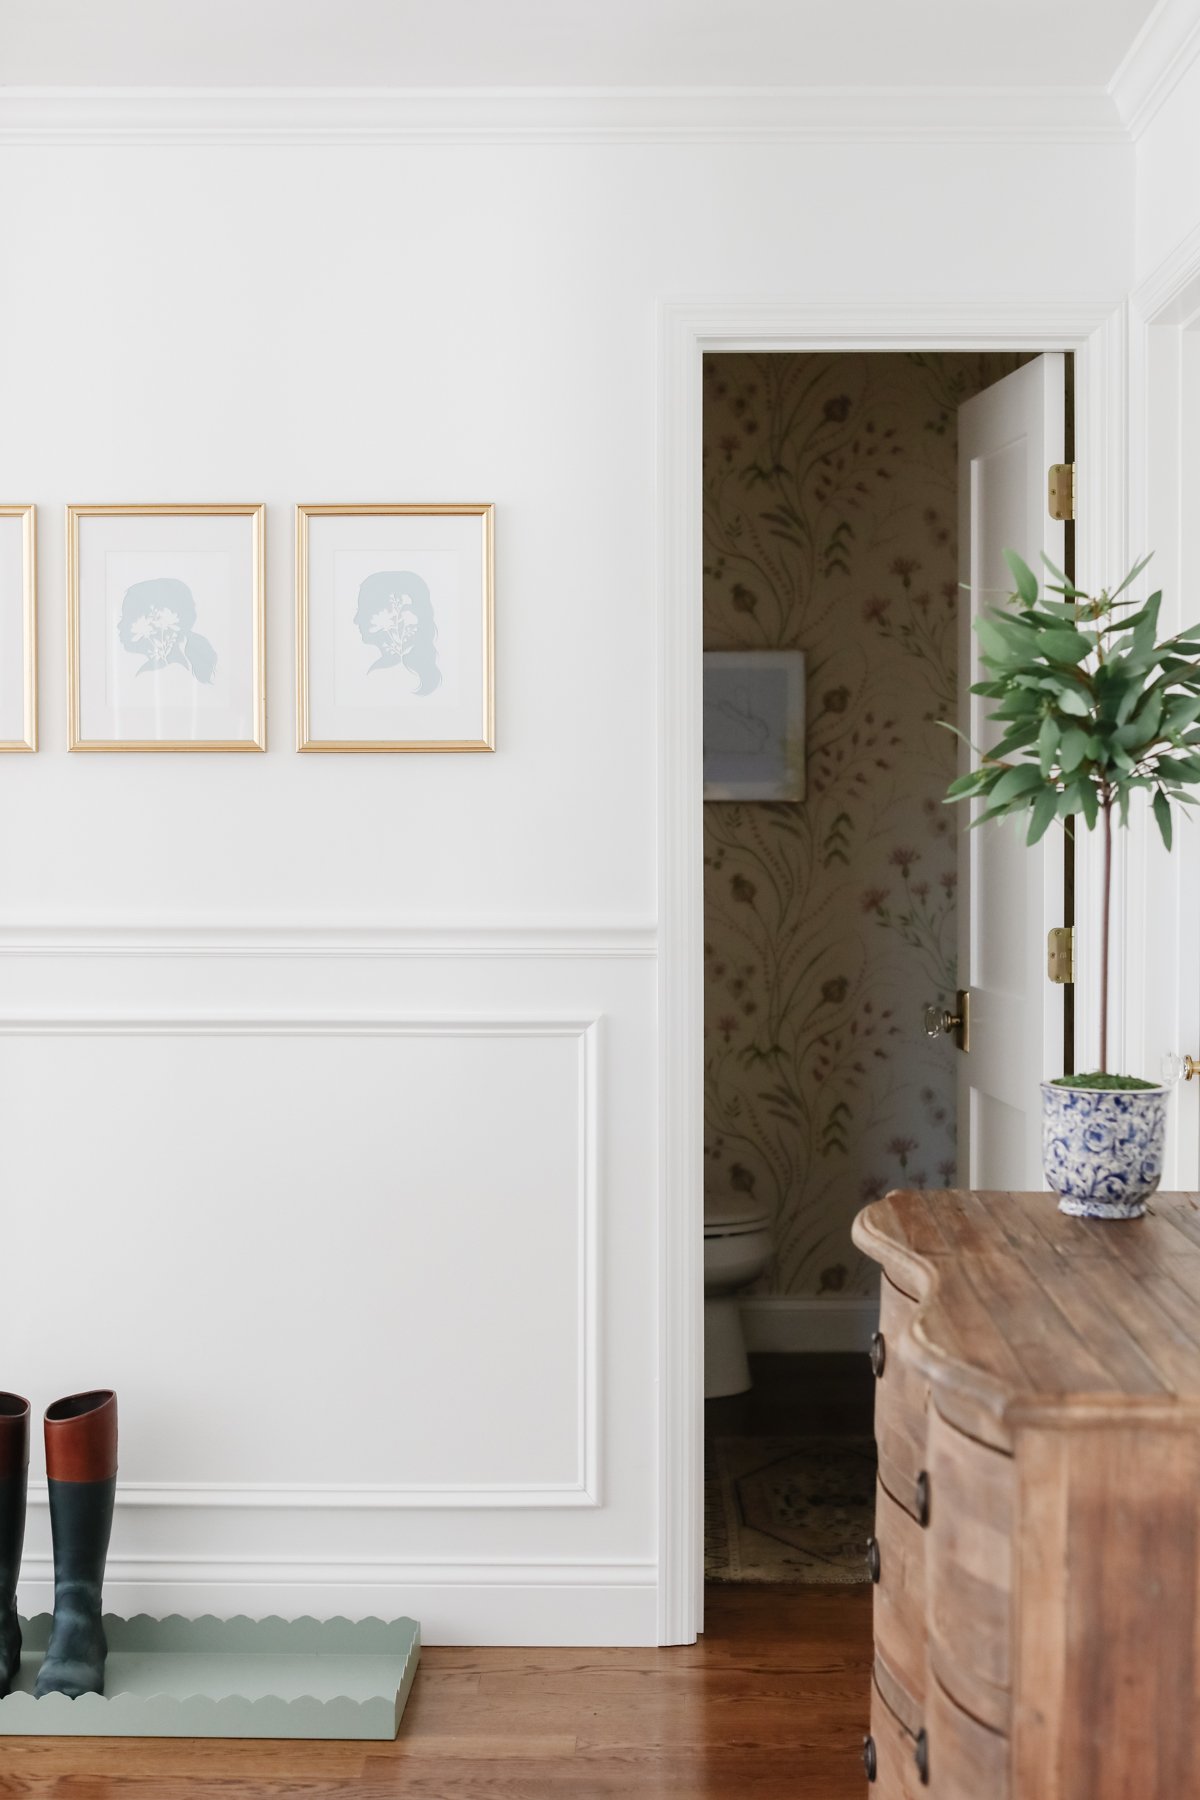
[870, 1761]
[923, 1498]
[878, 1353]
[874, 1565]
[921, 1757]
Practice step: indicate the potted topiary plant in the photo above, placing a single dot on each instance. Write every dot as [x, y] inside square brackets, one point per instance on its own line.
[1092, 710]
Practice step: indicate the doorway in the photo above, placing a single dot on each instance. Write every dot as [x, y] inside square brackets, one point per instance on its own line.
[831, 553]
[1093, 331]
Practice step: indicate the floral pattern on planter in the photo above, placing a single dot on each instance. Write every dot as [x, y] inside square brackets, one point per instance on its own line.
[830, 508]
[1103, 1150]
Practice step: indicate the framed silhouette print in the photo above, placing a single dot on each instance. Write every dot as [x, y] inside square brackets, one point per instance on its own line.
[165, 628]
[18, 628]
[754, 725]
[394, 628]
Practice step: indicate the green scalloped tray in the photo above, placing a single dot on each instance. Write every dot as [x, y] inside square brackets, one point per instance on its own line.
[227, 1678]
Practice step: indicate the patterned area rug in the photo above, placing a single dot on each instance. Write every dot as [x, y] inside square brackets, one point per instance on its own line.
[788, 1509]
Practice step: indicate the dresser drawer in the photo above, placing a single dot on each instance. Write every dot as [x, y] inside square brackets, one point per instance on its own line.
[901, 1400]
[968, 1571]
[900, 1595]
[891, 1756]
[966, 1761]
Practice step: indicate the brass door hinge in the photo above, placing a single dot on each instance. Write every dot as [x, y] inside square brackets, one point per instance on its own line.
[1060, 955]
[1062, 490]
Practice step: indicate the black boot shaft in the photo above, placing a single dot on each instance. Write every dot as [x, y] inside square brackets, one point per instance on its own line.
[12, 1535]
[81, 1515]
[80, 1524]
[81, 1465]
[14, 1471]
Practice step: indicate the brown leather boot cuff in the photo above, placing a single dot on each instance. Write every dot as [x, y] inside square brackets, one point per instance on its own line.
[81, 1437]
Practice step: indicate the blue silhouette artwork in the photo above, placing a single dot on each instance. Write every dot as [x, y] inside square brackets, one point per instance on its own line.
[395, 617]
[157, 622]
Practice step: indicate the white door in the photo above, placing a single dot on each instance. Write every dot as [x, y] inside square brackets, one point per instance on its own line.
[1009, 897]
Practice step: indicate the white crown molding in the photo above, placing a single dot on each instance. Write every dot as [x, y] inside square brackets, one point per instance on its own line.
[1159, 57]
[326, 940]
[364, 116]
[852, 324]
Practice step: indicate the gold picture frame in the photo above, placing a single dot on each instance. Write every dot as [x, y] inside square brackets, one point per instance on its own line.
[482, 651]
[28, 740]
[257, 693]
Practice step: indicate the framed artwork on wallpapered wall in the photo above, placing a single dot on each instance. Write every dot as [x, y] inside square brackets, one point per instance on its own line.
[18, 628]
[165, 628]
[754, 725]
[394, 627]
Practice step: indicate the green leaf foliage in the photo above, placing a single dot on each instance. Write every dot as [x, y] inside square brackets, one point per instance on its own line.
[1024, 577]
[1087, 706]
[1162, 816]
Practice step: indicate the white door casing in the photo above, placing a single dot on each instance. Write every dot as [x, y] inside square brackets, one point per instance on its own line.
[1009, 895]
[1095, 331]
[1162, 935]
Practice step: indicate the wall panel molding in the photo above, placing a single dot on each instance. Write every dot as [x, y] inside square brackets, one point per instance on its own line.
[584, 1488]
[373, 116]
[319, 940]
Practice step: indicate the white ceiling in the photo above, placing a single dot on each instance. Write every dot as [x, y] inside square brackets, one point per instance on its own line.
[565, 43]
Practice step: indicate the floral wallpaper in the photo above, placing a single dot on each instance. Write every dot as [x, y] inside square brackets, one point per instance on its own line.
[830, 527]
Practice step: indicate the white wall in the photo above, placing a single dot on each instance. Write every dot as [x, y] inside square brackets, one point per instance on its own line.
[1168, 174]
[364, 1257]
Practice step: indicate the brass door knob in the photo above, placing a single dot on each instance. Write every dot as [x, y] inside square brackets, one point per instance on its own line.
[939, 1021]
[1177, 1067]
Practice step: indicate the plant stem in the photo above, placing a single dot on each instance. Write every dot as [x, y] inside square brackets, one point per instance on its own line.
[1106, 803]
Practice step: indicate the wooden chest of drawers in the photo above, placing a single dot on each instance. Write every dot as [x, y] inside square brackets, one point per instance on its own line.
[1037, 1541]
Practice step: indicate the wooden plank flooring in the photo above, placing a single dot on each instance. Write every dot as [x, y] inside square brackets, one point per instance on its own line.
[770, 1704]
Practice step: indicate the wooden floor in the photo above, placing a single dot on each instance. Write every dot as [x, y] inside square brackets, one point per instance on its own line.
[771, 1704]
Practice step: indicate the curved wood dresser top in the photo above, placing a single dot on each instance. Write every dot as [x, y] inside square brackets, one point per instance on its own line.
[1026, 1316]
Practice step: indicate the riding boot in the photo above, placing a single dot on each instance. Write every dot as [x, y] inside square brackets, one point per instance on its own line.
[81, 1470]
[14, 1469]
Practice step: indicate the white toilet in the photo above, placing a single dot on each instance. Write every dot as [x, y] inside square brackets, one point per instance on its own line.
[737, 1246]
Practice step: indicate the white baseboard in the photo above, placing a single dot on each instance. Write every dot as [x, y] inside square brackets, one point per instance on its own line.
[466, 1603]
[797, 1323]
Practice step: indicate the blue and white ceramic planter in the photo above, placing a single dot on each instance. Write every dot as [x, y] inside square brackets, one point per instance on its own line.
[1102, 1150]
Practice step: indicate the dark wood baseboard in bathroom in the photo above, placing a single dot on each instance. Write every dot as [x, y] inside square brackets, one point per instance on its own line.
[823, 1394]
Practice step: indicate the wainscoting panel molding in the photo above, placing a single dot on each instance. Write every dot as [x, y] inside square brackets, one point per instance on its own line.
[420, 1144]
[577, 1038]
[317, 939]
